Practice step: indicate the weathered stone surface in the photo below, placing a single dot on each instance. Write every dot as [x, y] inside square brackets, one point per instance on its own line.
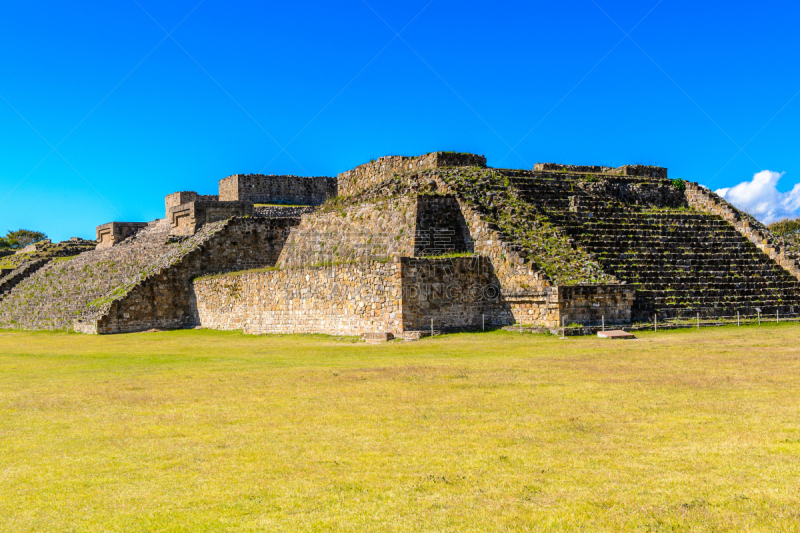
[704, 200]
[10, 278]
[263, 189]
[346, 299]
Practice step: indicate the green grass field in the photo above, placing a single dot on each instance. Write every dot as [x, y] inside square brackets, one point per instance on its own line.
[209, 431]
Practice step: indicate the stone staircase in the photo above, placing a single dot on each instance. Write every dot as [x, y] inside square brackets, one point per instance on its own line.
[680, 260]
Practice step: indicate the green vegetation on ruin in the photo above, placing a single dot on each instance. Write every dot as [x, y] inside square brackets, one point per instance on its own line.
[789, 231]
[547, 247]
[213, 431]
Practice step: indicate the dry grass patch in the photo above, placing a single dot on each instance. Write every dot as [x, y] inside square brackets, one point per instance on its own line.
[210, 431]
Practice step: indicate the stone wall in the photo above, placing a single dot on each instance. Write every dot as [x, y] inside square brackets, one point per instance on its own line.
[346, 299]
[184, 197]
[187, 218]
[270, 189]
[164, 298]
[375, 172]
[115, 232]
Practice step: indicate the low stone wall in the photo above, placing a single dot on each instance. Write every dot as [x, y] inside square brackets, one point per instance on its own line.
[164, 299]
[704, 200]
[187, 218]
[375, 172]
[115, 232]
[557, 167]
[270, 189]
[347, 299]
[281, 211]
[625, 170]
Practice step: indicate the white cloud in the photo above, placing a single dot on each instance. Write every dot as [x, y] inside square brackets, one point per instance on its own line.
[762, 199]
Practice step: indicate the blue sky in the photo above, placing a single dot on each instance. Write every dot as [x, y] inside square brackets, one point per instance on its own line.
[314, 88]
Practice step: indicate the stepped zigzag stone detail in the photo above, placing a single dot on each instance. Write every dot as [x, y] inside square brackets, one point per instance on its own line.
[402, 244]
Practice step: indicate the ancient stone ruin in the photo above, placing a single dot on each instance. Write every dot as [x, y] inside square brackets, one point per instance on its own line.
[403, 245]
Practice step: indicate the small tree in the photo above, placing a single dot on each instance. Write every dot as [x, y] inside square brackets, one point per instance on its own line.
[786, 227]
[22, 238]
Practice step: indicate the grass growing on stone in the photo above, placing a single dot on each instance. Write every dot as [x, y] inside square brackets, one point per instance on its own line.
[212, 431]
